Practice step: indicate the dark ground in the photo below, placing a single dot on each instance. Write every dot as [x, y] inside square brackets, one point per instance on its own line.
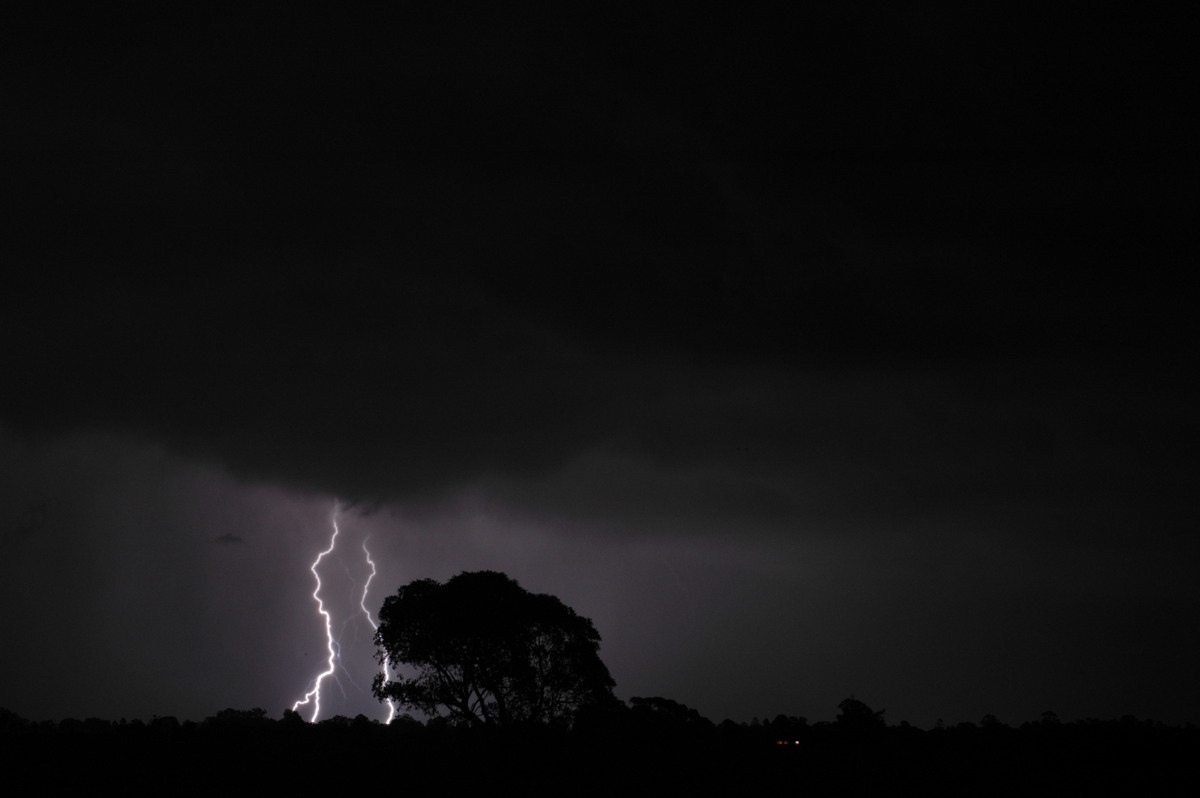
[638, 756]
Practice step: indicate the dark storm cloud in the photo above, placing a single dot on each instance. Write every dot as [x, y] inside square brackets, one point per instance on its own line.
[24, 523]
[387, 278]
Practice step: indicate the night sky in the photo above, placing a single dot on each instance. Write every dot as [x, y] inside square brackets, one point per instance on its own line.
[850, 354]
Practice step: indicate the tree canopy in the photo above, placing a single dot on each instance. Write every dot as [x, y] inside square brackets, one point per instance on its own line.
[488, 652]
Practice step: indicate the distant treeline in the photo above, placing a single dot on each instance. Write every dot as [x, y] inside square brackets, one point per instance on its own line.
[649, 745]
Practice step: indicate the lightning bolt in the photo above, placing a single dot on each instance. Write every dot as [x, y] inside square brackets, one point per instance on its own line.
[313, 696]
[363, 603]
[332, 645]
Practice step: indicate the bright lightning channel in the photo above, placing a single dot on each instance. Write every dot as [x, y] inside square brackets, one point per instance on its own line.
[363, 604]
[313, 696]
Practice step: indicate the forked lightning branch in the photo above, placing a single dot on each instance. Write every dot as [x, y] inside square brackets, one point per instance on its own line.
[332, 646]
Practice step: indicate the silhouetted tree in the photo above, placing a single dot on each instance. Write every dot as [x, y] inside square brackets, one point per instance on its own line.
[856, 715]
[990, 721]
[668, 714]
[488, 652]
[661, 721]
